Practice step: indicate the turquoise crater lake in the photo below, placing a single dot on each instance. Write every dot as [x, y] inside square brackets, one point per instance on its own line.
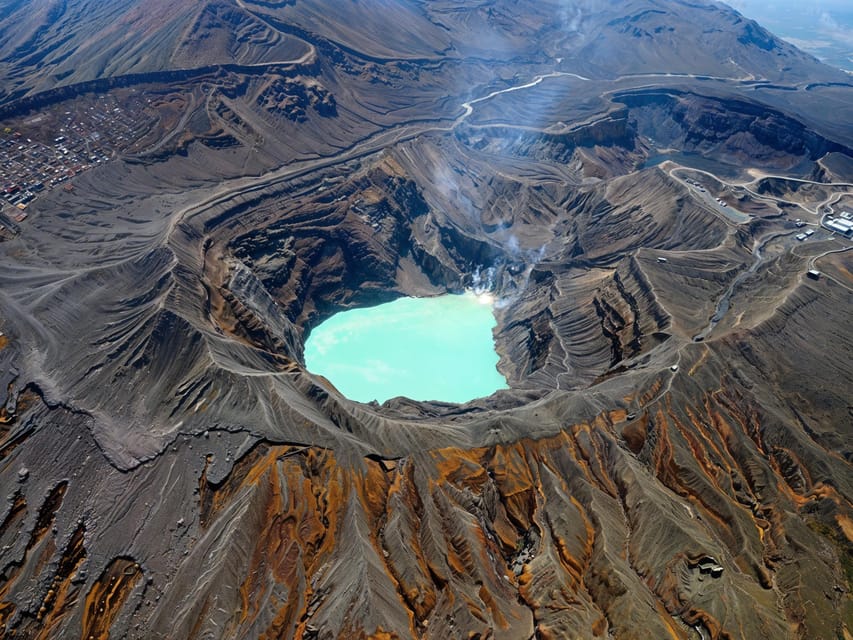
[423, 348]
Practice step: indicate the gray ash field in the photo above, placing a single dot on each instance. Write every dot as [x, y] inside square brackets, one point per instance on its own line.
[657, 190]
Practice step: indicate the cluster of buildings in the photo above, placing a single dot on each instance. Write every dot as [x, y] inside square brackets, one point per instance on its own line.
[843, 224]
[46, 150]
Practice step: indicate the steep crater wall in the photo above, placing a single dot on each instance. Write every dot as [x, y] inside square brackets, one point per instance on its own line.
[732, 130]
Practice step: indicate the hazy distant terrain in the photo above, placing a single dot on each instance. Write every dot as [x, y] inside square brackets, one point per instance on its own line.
[824, 29]
[654, 190]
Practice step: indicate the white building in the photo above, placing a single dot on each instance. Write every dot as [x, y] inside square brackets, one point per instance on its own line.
[842, 226]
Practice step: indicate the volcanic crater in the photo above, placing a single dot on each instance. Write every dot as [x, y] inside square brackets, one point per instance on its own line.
[672, 458]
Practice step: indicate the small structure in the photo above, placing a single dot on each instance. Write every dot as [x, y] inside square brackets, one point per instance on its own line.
[661, 259]
[810, 232]
[814, 274]
[714, 570]
[674, 367]
[801, 236]
[709, 566]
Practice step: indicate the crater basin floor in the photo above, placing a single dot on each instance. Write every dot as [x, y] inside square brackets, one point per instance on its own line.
[438, 348]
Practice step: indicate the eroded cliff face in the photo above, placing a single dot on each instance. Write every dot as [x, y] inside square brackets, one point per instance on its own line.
[672, 459]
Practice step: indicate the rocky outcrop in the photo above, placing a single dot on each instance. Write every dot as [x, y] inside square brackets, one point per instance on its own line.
[291, 99]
